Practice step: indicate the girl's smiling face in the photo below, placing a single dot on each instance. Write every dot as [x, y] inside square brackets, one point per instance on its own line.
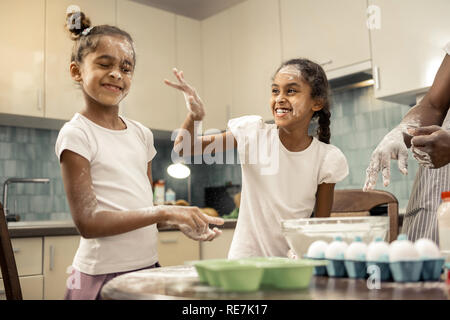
[105, 74]
[291, 101]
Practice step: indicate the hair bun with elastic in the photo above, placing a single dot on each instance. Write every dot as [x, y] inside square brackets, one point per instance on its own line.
[76, 23]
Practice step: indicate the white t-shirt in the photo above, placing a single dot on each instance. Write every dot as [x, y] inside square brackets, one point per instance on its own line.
[119, 160]
[277, 184]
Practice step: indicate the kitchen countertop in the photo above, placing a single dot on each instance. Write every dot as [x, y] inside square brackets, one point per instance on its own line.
[181, 283]
[25, 229]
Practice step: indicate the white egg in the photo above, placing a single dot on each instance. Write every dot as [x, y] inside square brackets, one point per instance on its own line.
[402, 250]
[427, 249]
[378, 251]
[336, 249]
[317, 249]
[357, 250]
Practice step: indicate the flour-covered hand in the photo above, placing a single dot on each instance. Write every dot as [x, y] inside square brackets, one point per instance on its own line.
[192, 222]
[206, 235]
[392, 146]
[193, 102]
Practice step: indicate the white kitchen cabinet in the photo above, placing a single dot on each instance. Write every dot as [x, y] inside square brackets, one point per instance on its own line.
[255, 55]
[150, 101]
[28, 256]
[188, 59]
[174, 248]
[58, 256]
[22, 57]
[217, 73]
[219, 247]
[407, 49]
[63, 96]
[32, 288]
[331, 33]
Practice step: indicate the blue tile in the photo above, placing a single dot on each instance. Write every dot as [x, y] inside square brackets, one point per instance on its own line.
[6, 133]
[29, 217]
[22, 204]
[10, 168]
[22, 135]
[336, 110]
[6, 150]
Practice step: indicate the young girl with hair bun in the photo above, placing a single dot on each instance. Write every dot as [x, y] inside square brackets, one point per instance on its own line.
[286, 174]
[106, 167]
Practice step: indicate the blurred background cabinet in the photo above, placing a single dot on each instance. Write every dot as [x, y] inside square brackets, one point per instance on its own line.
[331, 33]
[174, 248]
[150, 101]
[255, 56]
[241, 51]
[22, 57]
[407, 49]
[58, 256]
[32, 287]
[188, 59]
[28, 256]
[217, 72]
[218, 248]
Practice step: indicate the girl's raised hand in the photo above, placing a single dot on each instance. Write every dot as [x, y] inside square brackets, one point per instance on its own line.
[193, 102]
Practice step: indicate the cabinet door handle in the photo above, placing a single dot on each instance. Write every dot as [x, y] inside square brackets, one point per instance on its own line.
[52, 257]
[169, 240]
[2, 292]
[376, 77]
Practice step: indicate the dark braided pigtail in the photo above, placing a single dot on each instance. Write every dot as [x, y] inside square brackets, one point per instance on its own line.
[323, 131]
[315, 76]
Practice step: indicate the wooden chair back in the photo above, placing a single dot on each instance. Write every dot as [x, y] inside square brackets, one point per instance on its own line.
[8, 262]
[355, 202]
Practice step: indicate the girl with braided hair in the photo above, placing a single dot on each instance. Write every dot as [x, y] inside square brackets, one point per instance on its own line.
[286, 174]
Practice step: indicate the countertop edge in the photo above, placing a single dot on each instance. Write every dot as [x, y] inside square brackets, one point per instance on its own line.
[64, 229]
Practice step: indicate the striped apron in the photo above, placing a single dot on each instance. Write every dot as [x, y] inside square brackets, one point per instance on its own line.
[420, 220]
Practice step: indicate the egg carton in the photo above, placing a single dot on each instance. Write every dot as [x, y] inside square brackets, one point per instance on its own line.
[399, 271]
[407, 270]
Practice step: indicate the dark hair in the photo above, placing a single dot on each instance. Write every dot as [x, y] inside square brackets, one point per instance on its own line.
[86, 40]
[314, 75]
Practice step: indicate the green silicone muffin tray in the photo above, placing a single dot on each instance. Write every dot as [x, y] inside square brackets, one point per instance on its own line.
[251, 274]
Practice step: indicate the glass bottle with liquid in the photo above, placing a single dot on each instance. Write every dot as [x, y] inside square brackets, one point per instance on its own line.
[158, 193]
[443, 217]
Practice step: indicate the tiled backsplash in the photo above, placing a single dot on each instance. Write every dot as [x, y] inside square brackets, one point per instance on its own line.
[358, 123]
[29, 153]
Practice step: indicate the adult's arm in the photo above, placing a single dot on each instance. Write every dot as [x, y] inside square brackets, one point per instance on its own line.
[431, 110]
